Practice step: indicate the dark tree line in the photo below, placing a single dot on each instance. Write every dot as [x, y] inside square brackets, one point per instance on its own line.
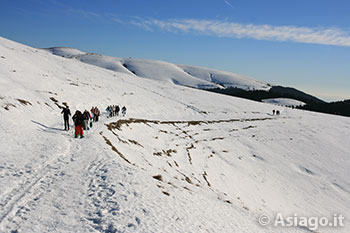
[341, 108]
[312, 103]
[274, 92]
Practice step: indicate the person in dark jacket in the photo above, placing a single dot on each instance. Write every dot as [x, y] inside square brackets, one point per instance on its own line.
[123, 111]
[87, 117]
[96, 114]
[66, 114]
[117, 109]
[78, 119]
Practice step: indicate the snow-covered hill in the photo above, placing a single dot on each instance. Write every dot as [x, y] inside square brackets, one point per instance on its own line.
[65, 51]
[182, 160]
[284, 102]
[190, 76]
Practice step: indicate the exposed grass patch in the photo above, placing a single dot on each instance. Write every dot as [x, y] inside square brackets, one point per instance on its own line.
[188, 180]
[7, 106]
[250, 127]
[166, 193]
[53, 100]
[158, 177]
[168, 152]
[50, 92]
[169, 183]
[119, 123]
[135, 142]
[187, 135]
[205, 178]
[56, 102]
[48, 105]
[115, 149]
[121, 140]
[189, 154]
[24, 102]
[159, 153]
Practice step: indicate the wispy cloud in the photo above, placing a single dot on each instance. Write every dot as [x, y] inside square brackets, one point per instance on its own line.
[229, 4]
[84, 13]
[317, 35]
[68, 9]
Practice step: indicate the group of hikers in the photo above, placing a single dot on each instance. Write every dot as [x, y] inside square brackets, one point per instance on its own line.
[113, 110]
[83, 121]
[277, 112]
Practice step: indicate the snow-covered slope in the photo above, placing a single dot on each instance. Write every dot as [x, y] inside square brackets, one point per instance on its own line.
[65, 51]
[284, 102]
[191, 76]
[182, 160]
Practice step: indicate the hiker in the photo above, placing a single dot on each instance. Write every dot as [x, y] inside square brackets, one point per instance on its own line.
[97, 113]
[92, 117]
[111, 107]
[273, 112]
[66, 114]
[117, 109]
[277, 112]
[93, 113]
[108, 110]
[123, 111]
[78, 119]
[87, 117]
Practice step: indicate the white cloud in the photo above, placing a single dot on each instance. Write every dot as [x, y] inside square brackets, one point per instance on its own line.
[317, 35]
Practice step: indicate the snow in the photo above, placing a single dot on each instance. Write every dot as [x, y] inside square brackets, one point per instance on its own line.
[284, 102]
[65, 51]
[190, 76]
[220, 161]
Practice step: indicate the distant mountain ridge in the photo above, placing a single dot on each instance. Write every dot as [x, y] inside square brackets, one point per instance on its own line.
[191, 76]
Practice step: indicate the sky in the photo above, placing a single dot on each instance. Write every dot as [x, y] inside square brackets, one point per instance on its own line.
[300, 43]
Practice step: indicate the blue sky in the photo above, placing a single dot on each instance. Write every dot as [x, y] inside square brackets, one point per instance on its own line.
[299, 43]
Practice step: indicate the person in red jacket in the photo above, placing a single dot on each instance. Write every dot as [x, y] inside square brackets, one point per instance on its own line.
[78, 119]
